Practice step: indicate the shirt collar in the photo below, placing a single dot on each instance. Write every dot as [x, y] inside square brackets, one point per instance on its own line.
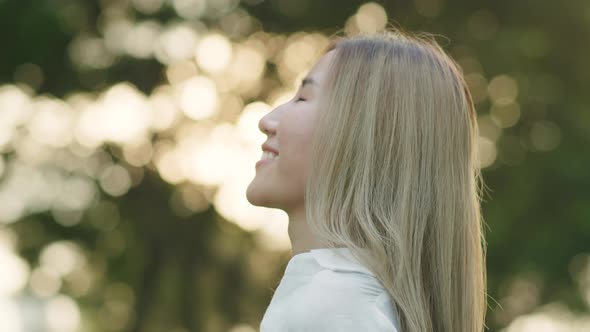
[339, 259]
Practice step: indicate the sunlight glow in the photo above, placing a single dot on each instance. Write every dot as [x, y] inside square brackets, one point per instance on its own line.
[74, 193]
[62, 257]
[248, 64]
[177, 42]
[66, 157]
[247, 124]
[13, 277]
[167, 162]
[190, 9]
[121, 115]
[11, 208]
[53, 122]
[165, 112]
[14, 272]
[503, 90]
[212, 161]
[553, 317]
[273, 235]
[22, 191]
[270, 224]
[298, 56]
[371, 17]
[15, 105]
[115, 34]
[63, 314]
[142, 37]
[180, 71]
[45, 282]
[242, 328]
[9, 316]
[197, 97]
[138, 154]
[213, 53]
[115, 180]
[487, 152]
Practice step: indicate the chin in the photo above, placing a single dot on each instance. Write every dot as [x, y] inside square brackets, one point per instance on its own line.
[256, 196]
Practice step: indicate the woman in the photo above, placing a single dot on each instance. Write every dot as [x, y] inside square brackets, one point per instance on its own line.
[375, 162]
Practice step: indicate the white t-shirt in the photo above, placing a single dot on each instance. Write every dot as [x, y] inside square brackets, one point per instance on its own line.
[327, 289]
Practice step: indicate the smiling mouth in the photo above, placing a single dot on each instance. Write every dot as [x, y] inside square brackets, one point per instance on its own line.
[269, 155]
[265, 161]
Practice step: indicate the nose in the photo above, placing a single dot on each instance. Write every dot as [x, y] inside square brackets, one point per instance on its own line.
[267, 124]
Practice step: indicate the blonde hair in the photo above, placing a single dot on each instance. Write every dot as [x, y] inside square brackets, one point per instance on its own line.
[393, 176]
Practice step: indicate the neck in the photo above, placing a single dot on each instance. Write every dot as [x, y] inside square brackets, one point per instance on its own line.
[302, 239]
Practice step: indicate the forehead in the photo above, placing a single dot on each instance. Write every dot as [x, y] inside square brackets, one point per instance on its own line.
[320, 70]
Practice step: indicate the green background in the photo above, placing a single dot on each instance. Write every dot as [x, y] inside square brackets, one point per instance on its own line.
[156, 267]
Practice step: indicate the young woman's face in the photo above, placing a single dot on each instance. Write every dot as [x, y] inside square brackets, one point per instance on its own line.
[280, 182]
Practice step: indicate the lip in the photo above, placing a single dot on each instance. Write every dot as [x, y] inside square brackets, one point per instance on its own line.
[263, 162]
[266, 147]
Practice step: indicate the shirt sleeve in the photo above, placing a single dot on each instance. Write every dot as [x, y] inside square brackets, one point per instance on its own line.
[337, 302]
[369, 320]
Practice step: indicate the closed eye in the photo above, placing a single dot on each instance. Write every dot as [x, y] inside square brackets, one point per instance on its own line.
[299, 99]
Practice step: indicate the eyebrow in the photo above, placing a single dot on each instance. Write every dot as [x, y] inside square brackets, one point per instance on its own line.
[306, 81]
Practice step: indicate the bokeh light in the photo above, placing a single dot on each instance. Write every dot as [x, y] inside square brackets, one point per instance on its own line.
[197, 97]
[176, 42]
[14, 272]
[175, 90]
[371, 17]
[214, 52]
[503, 90]
[63, 314]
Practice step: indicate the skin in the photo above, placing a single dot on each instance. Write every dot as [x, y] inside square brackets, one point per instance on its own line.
[280, 184]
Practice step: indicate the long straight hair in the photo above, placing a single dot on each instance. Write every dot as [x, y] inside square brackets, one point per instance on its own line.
[393, 175]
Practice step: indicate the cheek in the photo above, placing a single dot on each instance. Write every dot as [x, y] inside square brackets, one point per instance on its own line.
[295, 137]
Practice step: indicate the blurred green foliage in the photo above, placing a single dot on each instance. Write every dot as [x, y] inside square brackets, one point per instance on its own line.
[160, 270]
